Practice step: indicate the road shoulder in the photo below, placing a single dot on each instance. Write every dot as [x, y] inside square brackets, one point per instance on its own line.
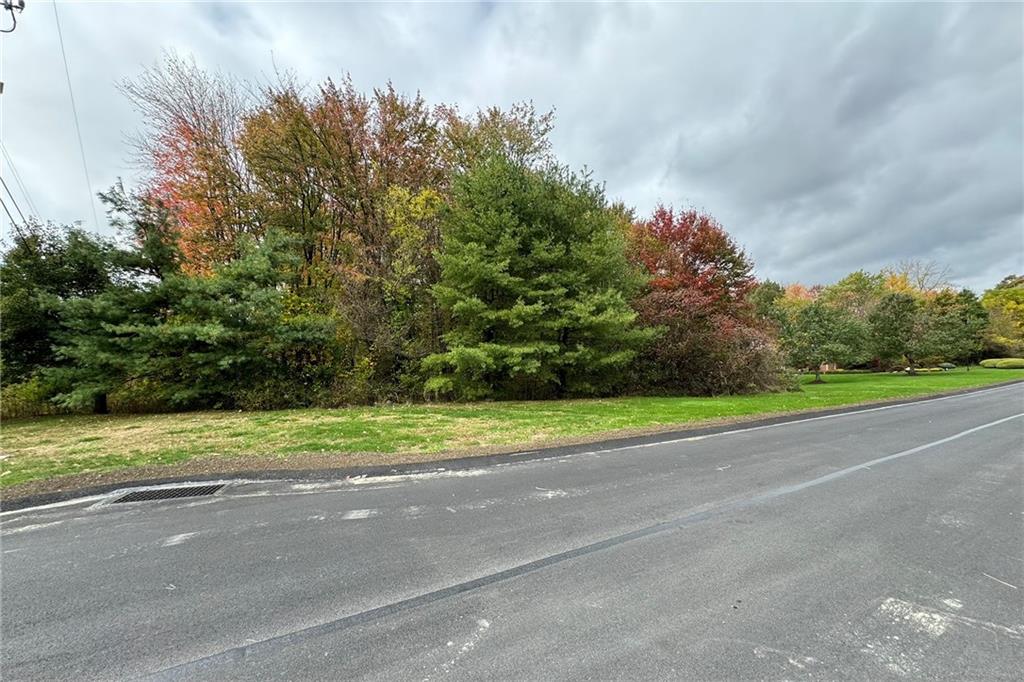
[330, 467]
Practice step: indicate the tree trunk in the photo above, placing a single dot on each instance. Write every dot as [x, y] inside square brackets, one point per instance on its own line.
[817, 375]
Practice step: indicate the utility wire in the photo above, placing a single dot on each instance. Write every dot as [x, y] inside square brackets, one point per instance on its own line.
[74, 111]
[13, 201]
[14, 223]
[18, 181]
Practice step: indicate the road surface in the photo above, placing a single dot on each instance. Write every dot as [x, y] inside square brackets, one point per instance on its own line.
[878, 544]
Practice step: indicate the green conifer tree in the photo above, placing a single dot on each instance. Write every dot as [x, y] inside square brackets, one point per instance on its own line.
[536, 282]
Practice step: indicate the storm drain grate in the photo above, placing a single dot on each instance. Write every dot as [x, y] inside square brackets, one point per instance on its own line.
[168, 493]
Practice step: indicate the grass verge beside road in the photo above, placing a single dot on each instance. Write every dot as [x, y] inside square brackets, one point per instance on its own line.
[48, 447]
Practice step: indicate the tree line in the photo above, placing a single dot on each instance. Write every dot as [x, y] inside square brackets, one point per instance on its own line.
[296, 246]
[894, 318]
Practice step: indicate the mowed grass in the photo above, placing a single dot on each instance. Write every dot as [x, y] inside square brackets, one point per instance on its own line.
[51, 446]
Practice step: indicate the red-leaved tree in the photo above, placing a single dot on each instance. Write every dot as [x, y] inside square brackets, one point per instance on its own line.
[691, 250]
[700, 279]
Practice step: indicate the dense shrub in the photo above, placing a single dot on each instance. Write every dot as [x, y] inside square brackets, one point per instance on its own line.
[138, 396]
[703, 352]
[28, 398]
[171, 340]
[1004, 364]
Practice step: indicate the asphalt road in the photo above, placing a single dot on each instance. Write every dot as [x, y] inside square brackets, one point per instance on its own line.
[879, 544]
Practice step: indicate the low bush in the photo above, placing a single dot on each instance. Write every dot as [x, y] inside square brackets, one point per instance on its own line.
[705, 354]
[28, 398]
[138, 397]
[1003, 363]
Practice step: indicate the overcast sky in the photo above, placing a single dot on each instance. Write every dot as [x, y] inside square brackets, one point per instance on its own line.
[826, 138]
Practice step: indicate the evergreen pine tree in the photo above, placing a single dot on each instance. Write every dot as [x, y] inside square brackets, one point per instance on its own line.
[536, 282]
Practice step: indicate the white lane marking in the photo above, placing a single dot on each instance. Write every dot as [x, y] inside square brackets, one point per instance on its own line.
[325, 485]
[396, 478]
[177, 539]
[549, 494]
[31, 526]
[953, 603]
[420, 476]
[55, 505]
[785, 490]
[359, 514]
[809, 419]
[315, 489]
[992, 577]
[96, 499]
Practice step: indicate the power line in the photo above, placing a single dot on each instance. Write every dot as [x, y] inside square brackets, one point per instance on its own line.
[74, 111]
[14, 223]
[13, 201]
[18, 181]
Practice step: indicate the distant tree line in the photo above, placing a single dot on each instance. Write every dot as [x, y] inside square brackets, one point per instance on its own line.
[293, 247]
[898, 318]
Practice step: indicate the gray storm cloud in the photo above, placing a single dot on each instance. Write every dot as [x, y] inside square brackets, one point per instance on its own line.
[826, 138]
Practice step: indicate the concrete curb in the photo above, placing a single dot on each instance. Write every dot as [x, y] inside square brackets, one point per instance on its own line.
[472, 462]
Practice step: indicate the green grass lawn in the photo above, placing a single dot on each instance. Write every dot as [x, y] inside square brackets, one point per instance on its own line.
[51, 446]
